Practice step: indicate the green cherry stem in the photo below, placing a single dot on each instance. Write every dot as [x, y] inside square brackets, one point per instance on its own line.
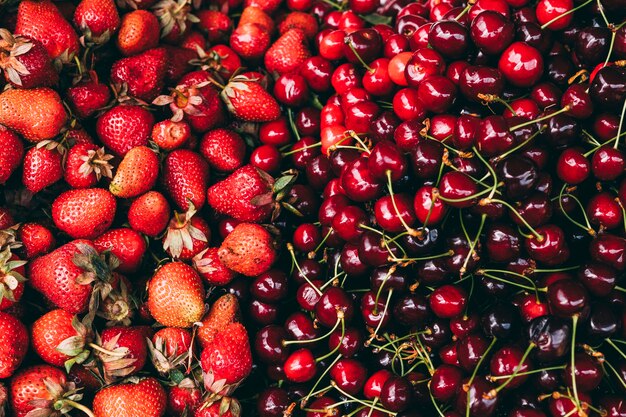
[541, 119]
[545, 25]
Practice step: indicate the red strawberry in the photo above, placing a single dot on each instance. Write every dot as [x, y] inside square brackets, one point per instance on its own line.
[25, 62]
[186, 236]
[84, 213]
[183, 398]
[250, 41]
[178, 62]
[288, 53]
[220, 59]
[215, 24]
[247, 100]
[97, 19]
[227, 360]
[126, 244]
[123, 127]
[256, 15]
[186, 177]
[138, 32]
[248, 249]
[136, 174]
[224, 311]
[11, 279]
[43, 21]
[43, 166]
[144, 74]
[59, 338]
[14, 342]
[210, 112]
[6, 219]
[245, 195]
[169, 348]
[88, 96]
[11, 153]
[149, 213]
[192, 41]
[146, 398]
[300, 20]
[215, 409]
[85, 164]
[224, 149]
[37, 240]
[176, 295]
[269, 6]
[211, 268]
[131, 352]
[170, 135]
[36, 114]
[175, 18]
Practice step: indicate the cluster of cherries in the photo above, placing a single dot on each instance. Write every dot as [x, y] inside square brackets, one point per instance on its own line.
[455, 238]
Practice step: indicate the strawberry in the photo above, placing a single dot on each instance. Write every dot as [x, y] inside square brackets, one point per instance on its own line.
[288, 53]
[216, 409]
[88, 96]
[123, 127]
[247, 100]
[209, 113]
[178, 62]
[4, 398]
[138, 32]
[250, 41]
[186, 177]
[36, 114]
[11, 153]
[144, 74]
[42, 390]
[37, 240]
[253, 14]
[184, 398]
[145, 398]
[59, 338]
[169, 348]
[215, 24]
[227, 360]
[149, 213]
[248, 249]
[11, 279]
[126, 244]
[84, 213]
[224, 311]
[97, 19]
[170, 135]
[268, 6]
[176, 295]
[300, 20]
[224, 149]
[136, 174]
[25, 62]
[43, 166]
[13, 344]
[129, 348]
[219, 59]
[43, 21]
[208, 265]
[86, 164]
[175, 19]
[192, 41]
[245, 195]
[6, 219]
[187, 235]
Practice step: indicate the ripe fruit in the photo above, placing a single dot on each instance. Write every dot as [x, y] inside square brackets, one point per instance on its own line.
[84, 213]
[136, 174]
[245, 98]
[248, 249]
[14, 337]
[145, 398]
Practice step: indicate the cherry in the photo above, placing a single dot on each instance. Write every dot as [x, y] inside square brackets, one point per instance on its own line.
[608, 87]
[396, 394]
[436, 334]
[348, 221]
[407, 105]
[349, 375]
[304, 151]
[300, 366]
[332, 301]
[491, 32]
[424, 62]
[475, 80]
[572, 166]
[374, 310]
[587, 371]
[508, 361]
[567, 298]
[551, 336]
[578, 100]
[266, 158]
[603, 322]
[351, 262]
[493, 136]
[411, 309]
[449, 355]
[273, 402]
[271, 286]
[599, 279]
[499, 6]
[308, 121]
[603, 210]
[291, 90]
[397, 67]
[322, 407]
[263, 313]
[348, 342]
[300, 327]
[319, 172]
[449, 38]
[394, 213]
[477, 398]
[535, 210]
[446, 382]
[521, 64]
[358, 183]
[363, 45]
[307, 295]
[374, 384]
[408, 24]
[437, 93]
[550, 245]
[553, 13]
[389, 278]
[470, 349]
[457, 189]
[428, 209]
[448, 301]
[330, 207]
[306, 237]
[592, 45]
[607, 163]
[519, 175]
[340, 158]
[503, 243]
[562, 406]
[386, 158]
[377, 80]
[426, 158]
[268, 344]
[331, 45]
[609, 249]
[345, 78]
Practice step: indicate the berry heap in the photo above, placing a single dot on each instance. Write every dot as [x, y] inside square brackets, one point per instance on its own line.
[313, 208]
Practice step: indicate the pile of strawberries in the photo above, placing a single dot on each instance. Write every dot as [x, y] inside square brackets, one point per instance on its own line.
[316, 208]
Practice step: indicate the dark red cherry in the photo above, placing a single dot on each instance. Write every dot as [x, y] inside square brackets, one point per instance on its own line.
[299, 326]
[374, 312]
[603, 210]
[480, 402]
[448, 301]
[263, 313]
[437, 93]
[307, 296]
[567, 298]
[396, 394]
[519, 175]
[317, 72]
[306, 237]
[269, 287]
[350, 341]
[458, 189]
[386, 159]
[572, 166]
[428, 209]
[347, 223]
[477, 80]
[608, 87]
[470, 349]
[332, 301]
[449, 38]
[426, 158]
[411, 310]
[607, 163]
[507, 361]
[374, 384]
[551, 335]
[351, 262]
[358, 182]
[587, 371]
[503, 243]
[349, 375]
[492, 32]
[493, 136]
[609, 249]
[577, 98]
[300, 366]
[273, 402]
[383, 126]
[599, 279]
[304, 151]
[268, 344]
[424, 63]
[407, 105]
[291, 90]
[308, 121]
[394, 213]
[550, 245]
[345, 78]
[446, 382]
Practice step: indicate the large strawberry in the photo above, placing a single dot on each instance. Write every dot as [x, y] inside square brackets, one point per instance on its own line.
[25, 62]
[88, 95]
[43, 21]
[288, 53]
[178, 62]
[227, 360]
[250, 41]
[126, 244]
[123, 352]
[209, 266]
[123, 127]
[136, 174]
[13, 344]
[84, 213]
[145, 398]
[11, 279]
[187, 235]
[306, 22]
[37, 239]
[139, 32]
[36, 114]
[245, 195]
[249, 249]
[224, 149]
[144, 74]
[247, 100]
[86, 164]
[176, 295]
[43, 166]
[224, 311]
[149, 213]
[97, 19]
[11, 153]
[253, 14]
[183, 398]
[186, 177]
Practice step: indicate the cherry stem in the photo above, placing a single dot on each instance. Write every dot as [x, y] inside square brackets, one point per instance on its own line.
[354, 51]
[619, 376]
[492, 98]
[545, 25]
[391, 270]
[587, 228]
[519, 216]
[517, 147]
[461, 200]
[317, 339]
[614, 346]
[330, 230]
[424, 258]
[489, 273]
[291, 152]
[312, 392]
[78, 406]
[432, 399]
[534, 371]
[409, 230]
[332, 352]
[621, 122]
[464, 11]
[357, 400]
[385, 241]
[515, 373]
[475, 372]
[541, 119]
[573, 361]
[353, 134]
[292, 124]
[601, 10]
[380, 322]
[473, 242]
[295, 261]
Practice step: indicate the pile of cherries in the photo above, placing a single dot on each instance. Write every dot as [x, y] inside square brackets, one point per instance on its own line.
[456, 235]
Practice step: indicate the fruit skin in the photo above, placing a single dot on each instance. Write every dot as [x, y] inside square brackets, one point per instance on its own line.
[28, 385]
[139, 31]
[224, 149]
[247, 100]
[147, 398]
[211, 110]
[136, 174]
[36, 238]
[88, 96]
[149, 213]
[84, 213]
[288, 53]
[126, 244]
[186, 176]
[36, 114]
[13, 344]
[49, 331]
[248, 249]
[42, 167]
[144, 74]
[250, 41]
[211, 269]
[176, 295]
[133, 340]
[55, 274]
[11, 153]
[26, 68]
[245, 195]
[228, 356]
[85, 164]
[224, 311]
[123, 127]
[97, 19]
